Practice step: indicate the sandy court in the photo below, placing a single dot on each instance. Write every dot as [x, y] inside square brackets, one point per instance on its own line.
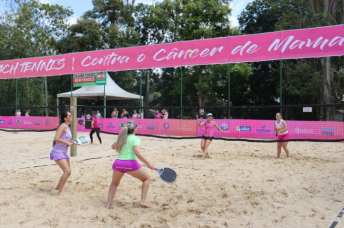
[242, 185]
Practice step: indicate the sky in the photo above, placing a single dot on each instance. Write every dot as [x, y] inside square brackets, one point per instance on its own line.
[79, 7]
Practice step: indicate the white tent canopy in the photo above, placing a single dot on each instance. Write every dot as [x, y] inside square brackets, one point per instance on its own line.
[112, 92]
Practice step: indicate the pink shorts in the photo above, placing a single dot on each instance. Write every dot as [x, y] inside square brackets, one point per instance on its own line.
[125, 166]
[283, 137]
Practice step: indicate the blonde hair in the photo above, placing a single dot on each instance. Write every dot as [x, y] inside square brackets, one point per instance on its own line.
[122, 137]
[279, 115]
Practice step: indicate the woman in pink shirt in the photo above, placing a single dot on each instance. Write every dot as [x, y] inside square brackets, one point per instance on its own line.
[95, 128]
[158, 115]
[208, 133]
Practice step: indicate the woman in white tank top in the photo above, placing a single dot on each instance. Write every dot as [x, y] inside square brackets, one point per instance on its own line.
[281, 130]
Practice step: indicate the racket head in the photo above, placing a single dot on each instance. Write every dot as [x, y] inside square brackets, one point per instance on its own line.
[83, 140]
[167, 174]
[201, 111]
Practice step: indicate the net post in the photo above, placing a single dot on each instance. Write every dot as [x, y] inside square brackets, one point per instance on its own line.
[42, 95]
[104, 102]
[181, 93]
[58, 107]
[73, 111]
[71, 85]
[281, 88]
[16, 96]
[229, 91]
[343, 84]
[141, 91]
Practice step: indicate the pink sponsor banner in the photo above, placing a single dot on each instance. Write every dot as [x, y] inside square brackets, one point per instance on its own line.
[261, 129]
[38, 66]
[29, 122]
[303, 43]
[264, 129]
[253, 48]
[173, 127]
[307, 43]
[254, 129]
[321, 130]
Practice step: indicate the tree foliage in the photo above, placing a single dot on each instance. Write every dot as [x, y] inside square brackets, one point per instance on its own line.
[29, 29]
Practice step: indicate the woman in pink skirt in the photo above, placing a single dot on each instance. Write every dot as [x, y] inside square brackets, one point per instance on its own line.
[61, 143]
[282, 135]
[128, 147]
[208, 133]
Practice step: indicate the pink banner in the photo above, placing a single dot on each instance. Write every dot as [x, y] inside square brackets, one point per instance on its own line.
[264, 129]
[173, 127]
[254, 129]
[303, 43]
[29, 122]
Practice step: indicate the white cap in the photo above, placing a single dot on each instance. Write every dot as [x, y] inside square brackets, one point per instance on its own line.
[131, 125]
[209, 114]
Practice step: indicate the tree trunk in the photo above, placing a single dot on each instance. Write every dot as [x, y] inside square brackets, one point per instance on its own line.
[321, 110]
[342, 7]
[201, 100]
[28, 92]
[46, 95]
[329, 7]
[327, 79]
[314, 5]
[148, 74]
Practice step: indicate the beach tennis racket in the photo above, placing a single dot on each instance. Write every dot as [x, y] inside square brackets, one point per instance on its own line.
[83, 140]
[167, 174]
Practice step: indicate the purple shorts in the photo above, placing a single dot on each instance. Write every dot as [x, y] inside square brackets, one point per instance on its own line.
[283, 137]
[125, 166]
[58, 156]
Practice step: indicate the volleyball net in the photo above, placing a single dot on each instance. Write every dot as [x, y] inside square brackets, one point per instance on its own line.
[245, 123]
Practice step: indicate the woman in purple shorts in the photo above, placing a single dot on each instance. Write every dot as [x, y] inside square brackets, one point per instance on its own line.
[208, 133]
[282, 135]
[128, 147]
[59, 152]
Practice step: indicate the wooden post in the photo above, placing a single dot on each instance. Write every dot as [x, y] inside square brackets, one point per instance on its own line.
[74, 124]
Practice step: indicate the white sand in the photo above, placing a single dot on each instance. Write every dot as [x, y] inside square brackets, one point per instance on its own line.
[243, 185]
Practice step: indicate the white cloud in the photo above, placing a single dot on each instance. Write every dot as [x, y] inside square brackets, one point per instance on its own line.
[234, 21]
[148, 2]
[72, 20]
[45, 2]
[237, 7]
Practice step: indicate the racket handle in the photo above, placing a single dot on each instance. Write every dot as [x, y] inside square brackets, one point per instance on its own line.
[155, 168]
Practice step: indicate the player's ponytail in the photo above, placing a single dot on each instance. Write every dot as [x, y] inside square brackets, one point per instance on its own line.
[122, 137]
[279, 115]
[63, 115]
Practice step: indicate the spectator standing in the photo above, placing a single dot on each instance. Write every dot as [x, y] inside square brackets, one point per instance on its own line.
[18, 113]
[114, 113]
[158, 115]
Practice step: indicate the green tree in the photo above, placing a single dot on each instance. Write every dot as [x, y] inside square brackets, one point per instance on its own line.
[331, 15]
[85, 35]
[32, 29]
[314, 13]
[190, 20]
